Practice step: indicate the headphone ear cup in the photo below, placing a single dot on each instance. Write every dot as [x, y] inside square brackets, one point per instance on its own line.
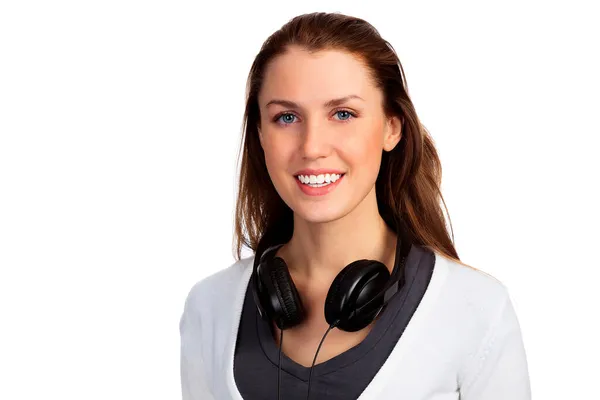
[354, 286]
[284, 305]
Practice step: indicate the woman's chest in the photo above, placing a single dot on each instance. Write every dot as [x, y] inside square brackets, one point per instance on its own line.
[303, 344]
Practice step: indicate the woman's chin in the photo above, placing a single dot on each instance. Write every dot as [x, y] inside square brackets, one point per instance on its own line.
[319, 214]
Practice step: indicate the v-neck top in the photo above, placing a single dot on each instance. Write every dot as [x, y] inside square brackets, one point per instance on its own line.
[342, 377]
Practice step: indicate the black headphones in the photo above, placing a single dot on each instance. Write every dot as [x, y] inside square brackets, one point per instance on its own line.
[357, 295]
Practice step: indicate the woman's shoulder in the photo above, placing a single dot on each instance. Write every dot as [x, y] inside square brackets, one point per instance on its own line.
[473, 279]
[472, 290]
[219, 289]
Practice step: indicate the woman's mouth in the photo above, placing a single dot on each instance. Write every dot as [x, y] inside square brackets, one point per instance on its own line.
[317, 185]
[318, 180]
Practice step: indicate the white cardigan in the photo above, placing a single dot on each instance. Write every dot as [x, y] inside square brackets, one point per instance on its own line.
[463, 341]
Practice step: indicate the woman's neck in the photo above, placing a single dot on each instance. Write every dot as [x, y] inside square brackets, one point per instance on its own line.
[321, 250]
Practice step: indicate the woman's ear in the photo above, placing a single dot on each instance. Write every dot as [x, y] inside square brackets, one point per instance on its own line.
[393, 133]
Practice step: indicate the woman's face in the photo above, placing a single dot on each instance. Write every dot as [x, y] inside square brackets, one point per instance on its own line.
[323, 130]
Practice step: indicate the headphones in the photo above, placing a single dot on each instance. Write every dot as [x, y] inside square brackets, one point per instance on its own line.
[355, 298]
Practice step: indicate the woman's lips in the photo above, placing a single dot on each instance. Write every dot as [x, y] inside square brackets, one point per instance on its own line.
[318, 191]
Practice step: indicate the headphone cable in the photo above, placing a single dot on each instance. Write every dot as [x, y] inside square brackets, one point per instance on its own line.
[279, 366]
[315, 359]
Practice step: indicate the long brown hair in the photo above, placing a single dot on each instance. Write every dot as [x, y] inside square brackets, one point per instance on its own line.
[408, 184]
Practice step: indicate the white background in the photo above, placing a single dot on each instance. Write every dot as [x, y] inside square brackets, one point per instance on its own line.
[119, 131]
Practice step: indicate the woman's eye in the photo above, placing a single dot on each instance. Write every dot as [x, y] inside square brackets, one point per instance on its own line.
[287, 118]
[344, 115]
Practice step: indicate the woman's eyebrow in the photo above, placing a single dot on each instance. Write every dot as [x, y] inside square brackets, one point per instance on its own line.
[330, 103]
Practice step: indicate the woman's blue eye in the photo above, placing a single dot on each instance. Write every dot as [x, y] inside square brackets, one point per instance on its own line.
[287, 118]
[343, 115]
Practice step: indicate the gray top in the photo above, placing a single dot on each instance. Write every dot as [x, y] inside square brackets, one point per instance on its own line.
[342, 377]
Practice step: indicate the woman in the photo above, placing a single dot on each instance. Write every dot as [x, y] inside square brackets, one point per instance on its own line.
[336, 167]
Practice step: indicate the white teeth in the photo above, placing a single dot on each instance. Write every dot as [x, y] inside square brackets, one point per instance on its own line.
[318, 180]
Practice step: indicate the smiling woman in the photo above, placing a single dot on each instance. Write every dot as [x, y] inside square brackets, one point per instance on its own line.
[339, 198]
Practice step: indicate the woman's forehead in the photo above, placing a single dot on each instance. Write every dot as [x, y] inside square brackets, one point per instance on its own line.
[302, 76]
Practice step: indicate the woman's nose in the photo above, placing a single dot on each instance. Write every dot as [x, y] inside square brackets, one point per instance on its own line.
[315, 141]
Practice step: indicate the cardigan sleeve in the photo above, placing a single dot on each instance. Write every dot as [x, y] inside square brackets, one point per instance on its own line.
[498, 370]
[194, 382]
